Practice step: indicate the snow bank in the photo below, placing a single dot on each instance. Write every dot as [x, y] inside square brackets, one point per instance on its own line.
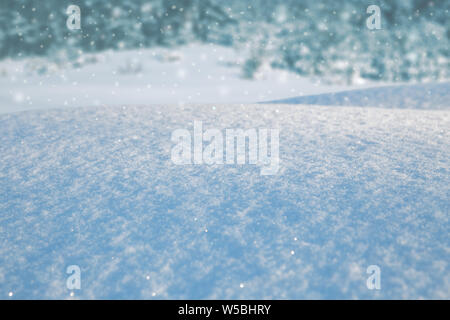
[95, 187]
[195, 73]
[419, 96]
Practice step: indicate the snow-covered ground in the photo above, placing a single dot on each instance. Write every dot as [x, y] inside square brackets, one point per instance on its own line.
[418, 96]
[95, 187]
[86, 179]
[196, 73]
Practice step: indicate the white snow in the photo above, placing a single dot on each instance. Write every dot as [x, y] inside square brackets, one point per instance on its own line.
[415, 96]
[197, 73]
[95, 187]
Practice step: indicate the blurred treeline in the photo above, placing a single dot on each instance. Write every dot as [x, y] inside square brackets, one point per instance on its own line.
[323, 38]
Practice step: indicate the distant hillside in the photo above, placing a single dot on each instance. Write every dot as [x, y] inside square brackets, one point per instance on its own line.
[421, 96]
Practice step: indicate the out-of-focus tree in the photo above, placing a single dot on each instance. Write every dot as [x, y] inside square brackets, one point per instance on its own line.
[324, 38]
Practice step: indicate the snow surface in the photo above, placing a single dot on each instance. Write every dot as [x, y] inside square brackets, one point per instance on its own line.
[95, 187]
[419, 96]
[196, 73]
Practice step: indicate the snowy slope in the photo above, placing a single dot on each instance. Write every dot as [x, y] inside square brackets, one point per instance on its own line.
[195, 73]
[420, 96]
[95, 187]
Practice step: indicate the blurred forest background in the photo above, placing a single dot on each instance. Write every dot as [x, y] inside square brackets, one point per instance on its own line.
[325, 38]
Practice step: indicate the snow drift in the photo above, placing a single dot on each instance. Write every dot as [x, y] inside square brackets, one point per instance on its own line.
[419, 96]
[95, 187]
